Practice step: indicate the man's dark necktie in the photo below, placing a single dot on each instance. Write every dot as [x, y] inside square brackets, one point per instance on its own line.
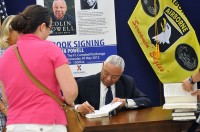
[109, 96]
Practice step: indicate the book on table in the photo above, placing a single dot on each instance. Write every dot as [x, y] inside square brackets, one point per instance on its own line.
[104, 111]
[184, 118]
[179, 105]
[178, 110]
[183, 113]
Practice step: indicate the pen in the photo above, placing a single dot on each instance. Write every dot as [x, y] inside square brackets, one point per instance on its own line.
[90, 105]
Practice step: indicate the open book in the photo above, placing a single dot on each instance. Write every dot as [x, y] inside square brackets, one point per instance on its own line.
[177, 97]
[104, 111]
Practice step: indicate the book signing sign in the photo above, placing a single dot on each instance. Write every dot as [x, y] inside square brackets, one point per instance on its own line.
[86, 33]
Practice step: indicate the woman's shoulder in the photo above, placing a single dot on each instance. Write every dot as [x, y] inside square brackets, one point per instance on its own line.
[51, 45]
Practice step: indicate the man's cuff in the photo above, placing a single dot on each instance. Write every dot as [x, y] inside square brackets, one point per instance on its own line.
[130, 103]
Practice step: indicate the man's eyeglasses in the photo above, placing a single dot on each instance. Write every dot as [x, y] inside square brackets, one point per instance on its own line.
[113, 77]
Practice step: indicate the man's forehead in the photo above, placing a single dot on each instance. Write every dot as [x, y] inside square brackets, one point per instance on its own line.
[59, 3]
[109, 65]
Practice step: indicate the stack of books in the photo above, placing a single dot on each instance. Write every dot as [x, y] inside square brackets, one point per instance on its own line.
[184, 114]
[183, 104]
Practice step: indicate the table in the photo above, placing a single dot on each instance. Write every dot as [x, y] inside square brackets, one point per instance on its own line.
[153, 119]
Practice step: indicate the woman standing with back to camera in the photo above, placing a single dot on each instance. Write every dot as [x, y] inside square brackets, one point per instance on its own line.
[8, 37]
[30, 109]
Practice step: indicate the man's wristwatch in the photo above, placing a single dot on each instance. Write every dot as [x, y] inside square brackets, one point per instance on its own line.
[126, 104]
[191, 80]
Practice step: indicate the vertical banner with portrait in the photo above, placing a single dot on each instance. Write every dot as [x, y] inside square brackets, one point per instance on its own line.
[84, 30]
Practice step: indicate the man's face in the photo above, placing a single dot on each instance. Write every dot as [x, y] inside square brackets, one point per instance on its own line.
[110, 74]
[59, 9]
[91, 2]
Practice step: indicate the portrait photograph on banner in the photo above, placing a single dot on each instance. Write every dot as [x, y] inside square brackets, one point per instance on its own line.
[63, 17]
[85, 31]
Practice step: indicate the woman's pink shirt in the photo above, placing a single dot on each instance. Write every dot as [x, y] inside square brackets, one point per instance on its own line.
[27, 103]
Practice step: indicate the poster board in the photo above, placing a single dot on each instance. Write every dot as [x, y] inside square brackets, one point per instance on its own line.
[91, 40]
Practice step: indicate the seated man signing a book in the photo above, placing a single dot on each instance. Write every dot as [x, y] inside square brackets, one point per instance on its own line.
[110, 85]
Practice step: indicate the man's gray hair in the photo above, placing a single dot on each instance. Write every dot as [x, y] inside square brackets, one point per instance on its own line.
[59, 0]
[116, 60]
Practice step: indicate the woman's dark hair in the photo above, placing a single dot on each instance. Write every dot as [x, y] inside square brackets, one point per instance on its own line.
[29, 20]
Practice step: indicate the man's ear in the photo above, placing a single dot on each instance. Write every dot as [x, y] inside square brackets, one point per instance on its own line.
[102, 66]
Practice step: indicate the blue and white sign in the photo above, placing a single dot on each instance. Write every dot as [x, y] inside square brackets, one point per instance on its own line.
[89, 38]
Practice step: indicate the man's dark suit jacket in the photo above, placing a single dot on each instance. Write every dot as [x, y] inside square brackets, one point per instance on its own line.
[89, 90]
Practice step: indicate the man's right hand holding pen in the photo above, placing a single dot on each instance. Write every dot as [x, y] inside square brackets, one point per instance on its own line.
[85, 108]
